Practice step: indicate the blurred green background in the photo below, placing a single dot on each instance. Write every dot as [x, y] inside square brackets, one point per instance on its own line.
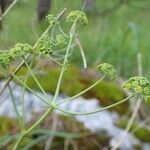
[116, 37]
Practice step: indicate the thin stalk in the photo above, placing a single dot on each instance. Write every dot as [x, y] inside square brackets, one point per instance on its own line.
[24, 90]
[81, 50]
[57, 62]
[35, 79]
[16, 147]
[39, 121]
[139, 62]
[81, 93]
[72, 32]
[54, 129]
[18, 142]
[23, 96]
[61, 30]
[32, 91]
[141, 124]
[137, 106]
[95, 111]
[16, 109]
[8, 9]
[84, 4]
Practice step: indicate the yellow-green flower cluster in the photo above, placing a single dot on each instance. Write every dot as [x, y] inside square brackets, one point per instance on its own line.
[19, 50]
[5, 58]
[60, 40]
[45, 45]
[107, 70]
[78, 16]
[52, 20]
[139, 85]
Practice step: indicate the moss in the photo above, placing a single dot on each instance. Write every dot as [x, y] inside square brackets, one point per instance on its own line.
[71, 84]
[2, 74]
[140, 132]
[109, 90]
[7, 125]
[109, 93]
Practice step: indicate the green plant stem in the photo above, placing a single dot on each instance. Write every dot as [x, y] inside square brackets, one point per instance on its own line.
[39, 120]
[57, 62]
[27, 87]
[23, 99]
[20, 120]
[95, 111]
[61, 30]
[32, 127]
[82, 92]
[24, 90]
[18, 142]
[35, 79]
[129, 125]
[72, 32]
[81, 51]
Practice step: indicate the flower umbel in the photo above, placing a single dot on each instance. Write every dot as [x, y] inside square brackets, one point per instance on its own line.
[78, 16]
[52, 20]
[5, 58]
[108, 70]
[139, 85]
[45, 45]
[19, 50]
[61, 40]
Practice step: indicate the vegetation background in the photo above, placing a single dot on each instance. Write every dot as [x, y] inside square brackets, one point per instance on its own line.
[114, 36]
[117, 32]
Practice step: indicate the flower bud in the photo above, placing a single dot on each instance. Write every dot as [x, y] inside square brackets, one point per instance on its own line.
[127, 86]
[147, 99]
[139, 85]
[135, 83]
[146, 90]
[108, 70]
[61, 40]
[20, 50]
[5, 58]
[52, 20]
[138, 89]
[45, 45]
[78, 16]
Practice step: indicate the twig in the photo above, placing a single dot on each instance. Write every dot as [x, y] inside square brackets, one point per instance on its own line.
[8, 9]
[141, 124]
[137, 106]
[51, 137]
[81, 51]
